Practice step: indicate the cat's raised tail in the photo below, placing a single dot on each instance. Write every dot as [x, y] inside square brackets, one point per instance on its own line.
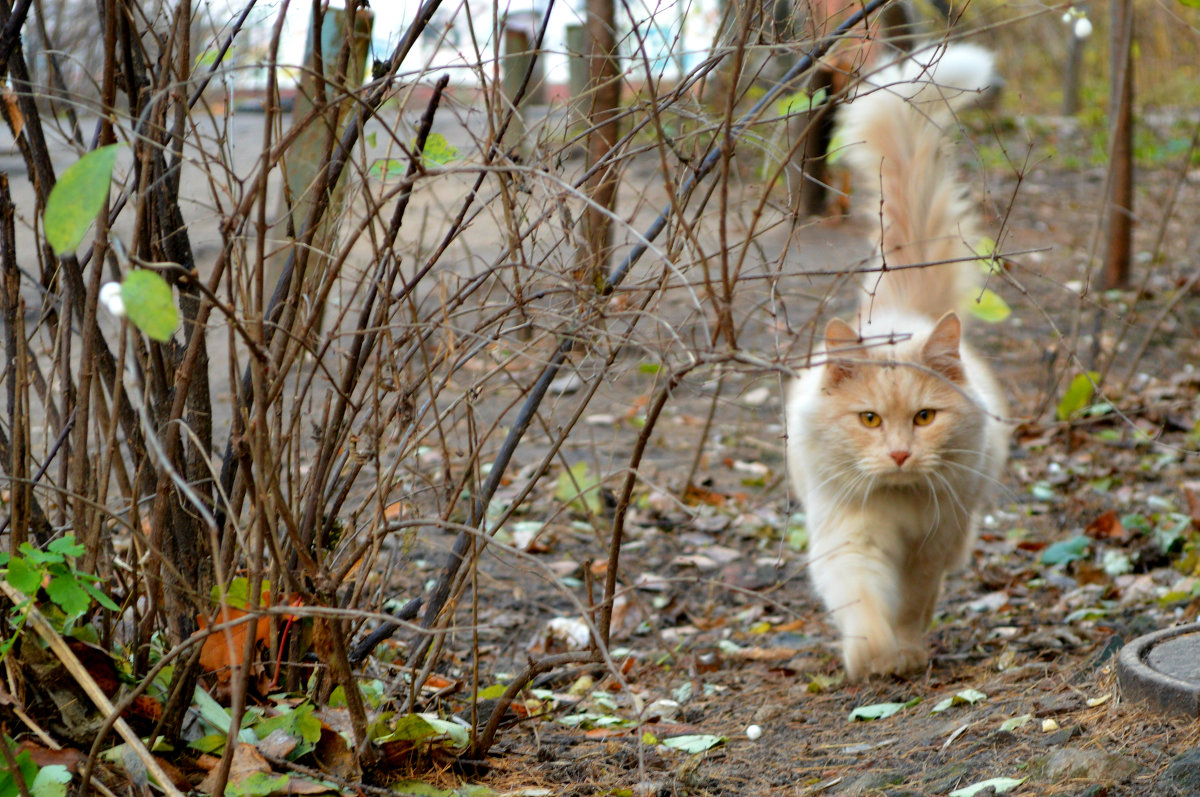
[892, 136]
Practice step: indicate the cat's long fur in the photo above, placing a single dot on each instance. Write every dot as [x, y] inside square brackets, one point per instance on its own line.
[891, 506]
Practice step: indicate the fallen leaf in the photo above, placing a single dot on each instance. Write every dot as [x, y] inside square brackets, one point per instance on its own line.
[997, 785]
[1107, 527]
[67, 757]
[764, 654]
[693, 743]
[246, 762]
[878, 711]
[222, 651]
[1012, 723]
[1066, 551]
[966, 696]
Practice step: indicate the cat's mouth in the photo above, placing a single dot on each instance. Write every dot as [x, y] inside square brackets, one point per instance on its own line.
[906, 476]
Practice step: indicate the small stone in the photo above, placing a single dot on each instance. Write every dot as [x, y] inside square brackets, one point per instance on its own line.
[665, 710]
[1097, 766]
[756, 397]
[1049, 726]
[566, 385]
[753, 732]
[767, 712]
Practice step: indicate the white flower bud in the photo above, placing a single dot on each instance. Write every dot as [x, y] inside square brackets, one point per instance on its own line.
[1067, 17]
[1083, 28]
[110, 297]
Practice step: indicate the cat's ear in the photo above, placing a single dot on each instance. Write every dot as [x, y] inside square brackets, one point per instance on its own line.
[839, 335]
[941, 352]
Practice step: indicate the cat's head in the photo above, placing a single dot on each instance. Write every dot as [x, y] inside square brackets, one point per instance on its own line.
[900, 412]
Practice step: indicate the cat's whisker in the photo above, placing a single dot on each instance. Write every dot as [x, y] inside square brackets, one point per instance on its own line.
[966, 513]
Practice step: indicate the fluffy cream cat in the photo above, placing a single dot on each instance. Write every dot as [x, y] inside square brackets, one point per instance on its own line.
[896, 439]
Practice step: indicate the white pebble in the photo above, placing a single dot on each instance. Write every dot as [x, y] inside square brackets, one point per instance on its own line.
[1049, 725]
[753, 732]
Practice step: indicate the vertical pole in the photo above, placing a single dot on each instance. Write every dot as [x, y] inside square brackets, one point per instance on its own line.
[1119, 207]
[577, 72]
[604, 92]
[1073, 75]
[309, 152]
[518, 52]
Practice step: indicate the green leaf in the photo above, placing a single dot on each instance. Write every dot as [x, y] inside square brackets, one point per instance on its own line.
[491, 692]
[149, 304]
[419, 727]
[371, 139]
[1191, 3]
[799, 102]
[837, 145]
[258, 784]
[29, 770]
[384, 168]
[986, 249]
[65, 591]
[878, 711]
[67, 546]
[1066, 550]
[50, 781]
[1172, 531]
[237, 594]
[298, 723]
[416, 788]
[579, 490]
[818, 683]
[39, 557]
[211, 712]
[212, 743]
[99, 597]
[989, 307]
[1043, 491]
[970, 696]
[1013, 723]
[694, 743]
[998, 785]
[23, 577]
[77, 197]
[438, 150]
[1078, 395]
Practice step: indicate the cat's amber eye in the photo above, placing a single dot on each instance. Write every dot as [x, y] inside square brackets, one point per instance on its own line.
[924, 417]
[870, 419]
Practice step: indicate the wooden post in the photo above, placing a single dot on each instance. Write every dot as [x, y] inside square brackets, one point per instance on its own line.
[604, 99]
[1119, 207]
[519, 55]
[1073, 75]
[577, 72]
[310, 151]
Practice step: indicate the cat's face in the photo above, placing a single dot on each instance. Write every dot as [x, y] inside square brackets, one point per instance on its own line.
[897, 414]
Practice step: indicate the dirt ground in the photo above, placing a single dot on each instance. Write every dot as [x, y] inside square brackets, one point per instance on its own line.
[717, 620]
[1091, 543]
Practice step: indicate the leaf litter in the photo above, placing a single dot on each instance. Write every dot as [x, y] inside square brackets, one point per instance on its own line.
[1093, 542]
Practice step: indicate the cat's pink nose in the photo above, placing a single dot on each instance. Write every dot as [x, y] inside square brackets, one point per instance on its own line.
[901, 457]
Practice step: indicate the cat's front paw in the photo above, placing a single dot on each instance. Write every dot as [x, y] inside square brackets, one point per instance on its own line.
[865, 656]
